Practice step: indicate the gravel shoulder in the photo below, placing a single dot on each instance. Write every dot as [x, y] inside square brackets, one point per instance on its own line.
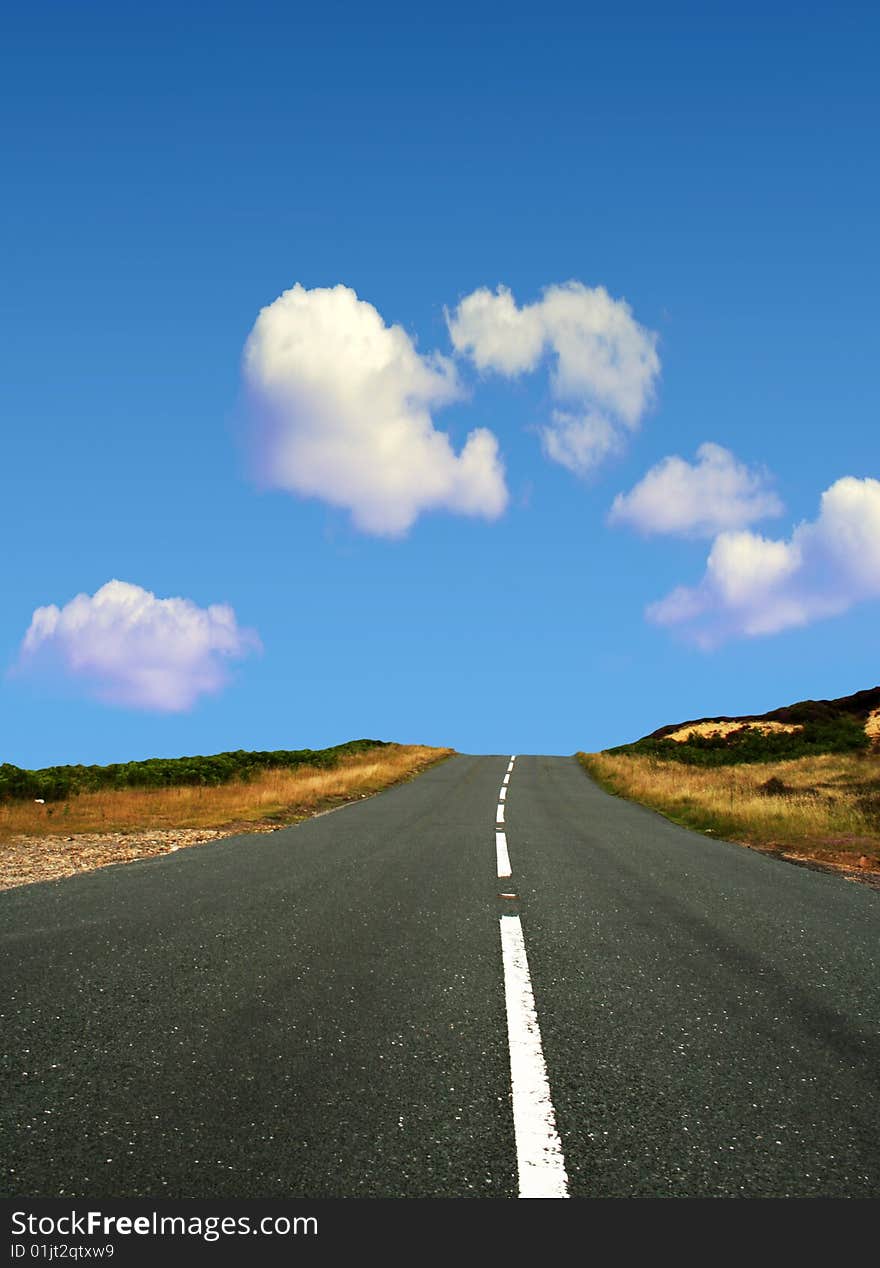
[25, 860]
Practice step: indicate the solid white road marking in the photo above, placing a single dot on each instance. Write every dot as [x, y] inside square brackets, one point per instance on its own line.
[499, 818]
[501, 854]
[502, 796]
[539, 1157]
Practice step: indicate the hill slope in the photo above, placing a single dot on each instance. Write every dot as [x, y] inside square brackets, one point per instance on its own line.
[802, 781]
[806, 729]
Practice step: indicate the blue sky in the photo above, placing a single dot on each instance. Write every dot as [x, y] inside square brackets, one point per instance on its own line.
[172, 170]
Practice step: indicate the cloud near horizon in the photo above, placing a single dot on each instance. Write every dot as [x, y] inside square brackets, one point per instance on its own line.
[342, 410]
[128, 648]
[755, 585]
[715, 494]
[605, 364]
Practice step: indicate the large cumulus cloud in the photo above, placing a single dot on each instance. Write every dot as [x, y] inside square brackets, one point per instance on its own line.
[604, 364]
[755, 585]
[342, 410]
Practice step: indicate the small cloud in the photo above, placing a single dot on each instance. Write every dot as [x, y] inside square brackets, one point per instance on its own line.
[605, 368]
[755, 585]
[342, 410]
[713, 495]
[129, 648]
[579, 442]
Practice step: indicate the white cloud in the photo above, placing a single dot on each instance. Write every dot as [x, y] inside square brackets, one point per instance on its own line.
[605, 370]
[754, 585]
[343, 409]
[579, 443]
[715, 494]
[130, 648]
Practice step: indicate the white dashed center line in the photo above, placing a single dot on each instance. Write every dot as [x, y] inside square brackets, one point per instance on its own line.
[539, 1158]
[501, 854]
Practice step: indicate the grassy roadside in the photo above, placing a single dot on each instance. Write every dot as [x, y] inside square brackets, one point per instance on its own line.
[43, 842]
[823, 809]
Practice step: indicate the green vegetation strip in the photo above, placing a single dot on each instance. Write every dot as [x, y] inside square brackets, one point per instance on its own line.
[56, 783]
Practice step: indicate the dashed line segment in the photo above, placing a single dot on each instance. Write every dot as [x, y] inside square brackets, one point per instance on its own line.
[539, 1157]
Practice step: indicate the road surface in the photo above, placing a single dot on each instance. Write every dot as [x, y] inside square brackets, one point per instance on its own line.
[349, 1007]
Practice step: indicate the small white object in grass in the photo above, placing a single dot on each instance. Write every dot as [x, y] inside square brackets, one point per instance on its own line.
[40, 801]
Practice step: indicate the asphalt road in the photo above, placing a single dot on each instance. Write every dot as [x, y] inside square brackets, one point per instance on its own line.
[322, 1011]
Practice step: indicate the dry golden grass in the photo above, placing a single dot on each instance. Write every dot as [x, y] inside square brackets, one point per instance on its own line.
[872, 726]
[41, 842]
[274, 794]
[825, 809]
[725, 728]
